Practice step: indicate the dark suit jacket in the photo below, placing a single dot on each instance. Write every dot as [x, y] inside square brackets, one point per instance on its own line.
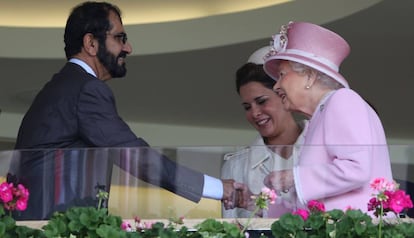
[77, 110]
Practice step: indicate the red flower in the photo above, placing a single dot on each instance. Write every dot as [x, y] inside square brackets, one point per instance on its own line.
[373, 204]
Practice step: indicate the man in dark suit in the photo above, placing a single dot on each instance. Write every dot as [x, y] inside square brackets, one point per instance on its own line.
[76, 109]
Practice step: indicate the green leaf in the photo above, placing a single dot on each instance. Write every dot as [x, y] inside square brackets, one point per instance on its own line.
[315, 222]
[2, 229]
[55, 227]
[2, 212]
[335, 214]
[24, 231]
[106, 231]
[288, 225]
[9, 222]
[292, 222]
[75, 226]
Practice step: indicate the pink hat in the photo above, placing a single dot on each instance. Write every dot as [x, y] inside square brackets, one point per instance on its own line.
[308, 44]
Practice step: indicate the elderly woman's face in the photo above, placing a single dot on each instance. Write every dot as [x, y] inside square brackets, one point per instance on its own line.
[290, 86]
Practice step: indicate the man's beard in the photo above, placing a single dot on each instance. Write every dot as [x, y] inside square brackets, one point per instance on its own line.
[110, 62]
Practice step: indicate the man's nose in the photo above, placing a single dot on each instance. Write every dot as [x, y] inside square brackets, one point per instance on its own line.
[127, 47]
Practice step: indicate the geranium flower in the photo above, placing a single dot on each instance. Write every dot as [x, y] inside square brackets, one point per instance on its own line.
[266, 195]
[347, 208]
[14, 198]
[22, 192]
[315, 205]
[148, 225]
[388, 198]
[302, 213]
[6, 192]
[380, 184]
[21, 204]
[126, 226]
[399, 201]
[373, 203]
[269, 194]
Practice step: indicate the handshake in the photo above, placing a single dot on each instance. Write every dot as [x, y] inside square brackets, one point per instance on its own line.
[237, 194]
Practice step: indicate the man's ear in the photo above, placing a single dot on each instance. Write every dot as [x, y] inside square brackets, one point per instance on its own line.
[90, 44]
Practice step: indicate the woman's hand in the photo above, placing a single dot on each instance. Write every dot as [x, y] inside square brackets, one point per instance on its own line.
[280, 181]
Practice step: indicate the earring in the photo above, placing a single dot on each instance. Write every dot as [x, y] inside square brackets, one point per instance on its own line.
[307, 86]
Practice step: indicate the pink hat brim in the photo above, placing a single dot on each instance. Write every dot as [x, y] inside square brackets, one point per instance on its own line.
[271, 66]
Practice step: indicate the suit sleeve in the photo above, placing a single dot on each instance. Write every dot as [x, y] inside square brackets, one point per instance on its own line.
[101, 126]
[147, 164]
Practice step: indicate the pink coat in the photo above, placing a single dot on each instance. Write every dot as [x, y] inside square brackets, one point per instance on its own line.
[344, 150]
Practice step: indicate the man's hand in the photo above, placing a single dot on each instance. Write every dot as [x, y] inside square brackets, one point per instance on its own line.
[235, 194]
[280, 181]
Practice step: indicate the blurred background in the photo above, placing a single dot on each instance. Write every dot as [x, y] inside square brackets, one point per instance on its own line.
[179, 89]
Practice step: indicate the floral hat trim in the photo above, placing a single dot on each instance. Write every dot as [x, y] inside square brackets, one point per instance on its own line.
[280, 41]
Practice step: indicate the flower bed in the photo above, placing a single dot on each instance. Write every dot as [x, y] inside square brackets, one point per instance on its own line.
[312, 222]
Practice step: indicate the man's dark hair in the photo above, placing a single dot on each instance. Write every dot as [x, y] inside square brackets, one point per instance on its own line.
[88, 17]
[251, 72]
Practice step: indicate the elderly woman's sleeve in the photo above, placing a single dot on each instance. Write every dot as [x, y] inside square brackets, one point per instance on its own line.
[345, 157]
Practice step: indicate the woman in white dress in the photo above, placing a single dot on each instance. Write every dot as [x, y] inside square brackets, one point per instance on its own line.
[274, 148]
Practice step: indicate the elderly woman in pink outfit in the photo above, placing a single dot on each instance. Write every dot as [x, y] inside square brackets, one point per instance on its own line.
[345, 146]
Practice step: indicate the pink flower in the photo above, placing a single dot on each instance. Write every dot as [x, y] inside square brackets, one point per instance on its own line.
[21, 204]
[126, 226]
[347, 208]
[398, 201]
[14, 197]
[269, 194]
[315, 205]
[302, 213]
[6, 192]
[265, 190]
[388, 198]
[148, 225]
[22, 192]
[380, 184]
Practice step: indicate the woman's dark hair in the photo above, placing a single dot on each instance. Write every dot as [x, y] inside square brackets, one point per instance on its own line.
[88, 17]
[251, 72]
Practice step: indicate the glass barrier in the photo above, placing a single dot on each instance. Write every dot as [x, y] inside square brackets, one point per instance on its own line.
[61, 178]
